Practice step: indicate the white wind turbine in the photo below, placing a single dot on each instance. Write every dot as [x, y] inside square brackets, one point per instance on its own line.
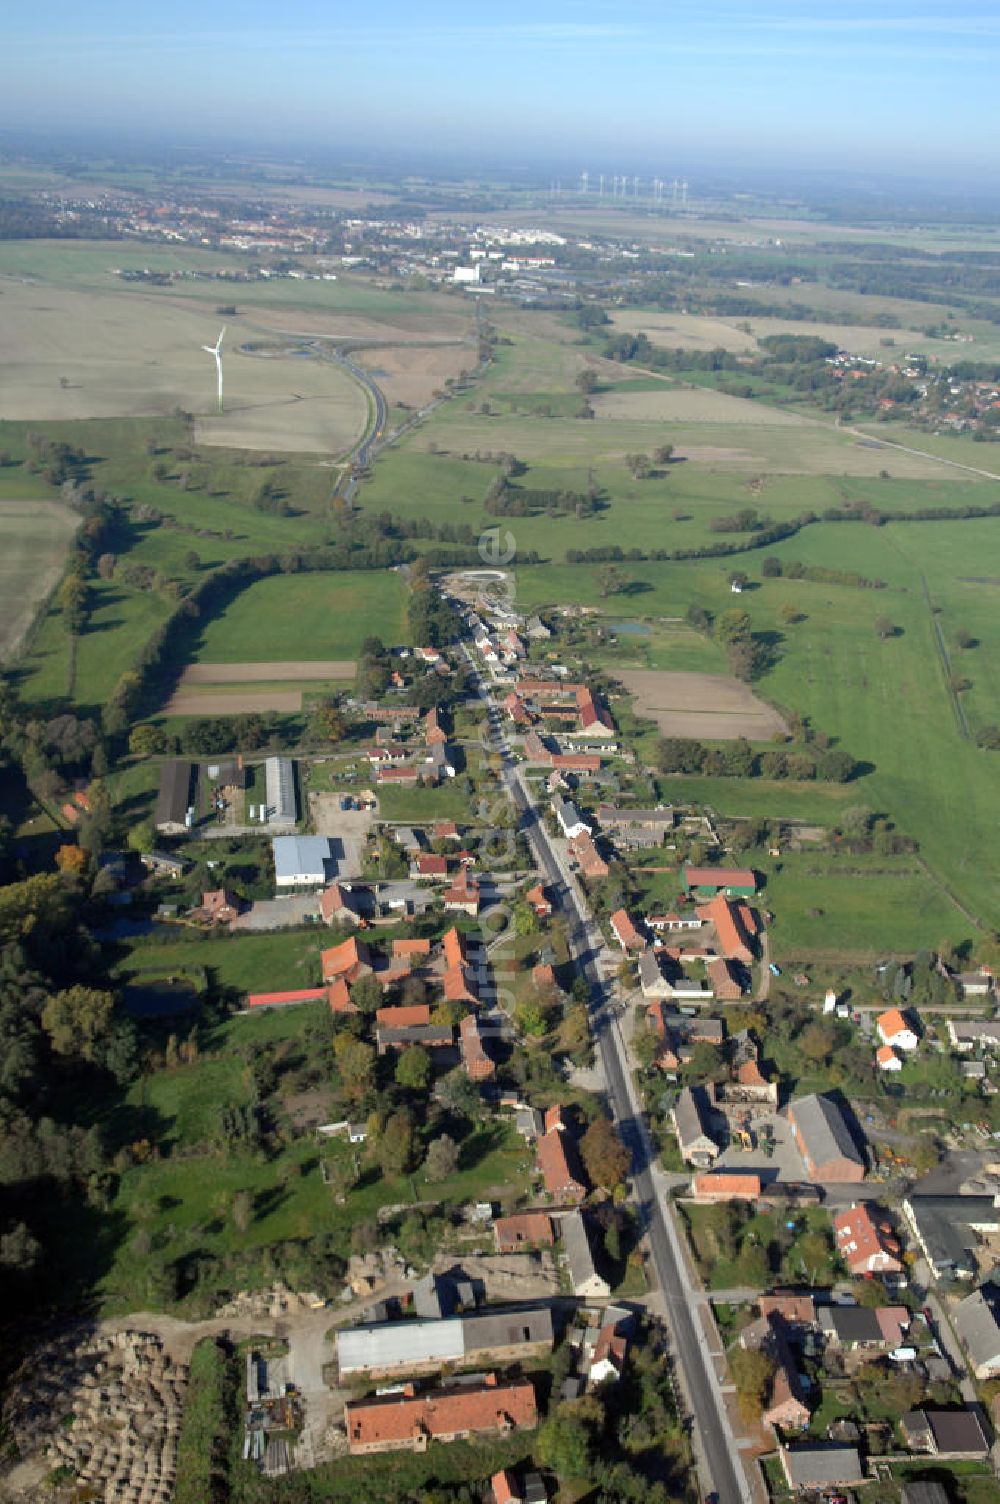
[216, 350]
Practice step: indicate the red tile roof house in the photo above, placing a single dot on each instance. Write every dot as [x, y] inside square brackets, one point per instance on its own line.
[463, 897]
[406, 1016]
[505, 1488]
[411, 950]
[398, 775]
[445, 830]
[784, 1405]
[337, 903]
[608, 1358]
[895, 1029]
[587, 857]
[435, 867]
[724, 982]
[339, 998]
[535, 750]
[386, 754]
[284, 999]
[524, 1230]
[725, 1187]
[218, 907]
[738, 882]
[594, 719]
[478, 1065]
[516, 709]
[576, 762]
[733, 941]
[865, 1241]
[560, 1166]
[454, 948]
[349, 960]
[539, 902]
[625, 932]
[433, 730]
[459, 986]
[409, 1421]
[797, 1311]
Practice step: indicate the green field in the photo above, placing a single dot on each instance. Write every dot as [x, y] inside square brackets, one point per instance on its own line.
[307, 616]
[34, 539]
[824, 909]
[888, 701]
[240, 963]
[120, 621]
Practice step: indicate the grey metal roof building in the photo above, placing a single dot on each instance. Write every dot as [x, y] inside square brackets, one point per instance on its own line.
[279, 778]
[690, 1116]
[174, 797]
[408, 1346]
[924, 1491]
[611, 815]
[400, 1344]
[301, 861]
[822, 1467]
[825, 1139]
[979, 1328]
[850, 1325]
[946, 1228]
[580, 1257]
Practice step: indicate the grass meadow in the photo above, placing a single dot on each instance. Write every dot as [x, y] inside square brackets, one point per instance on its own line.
[307, 616]
[184, 1198]
[889, 702]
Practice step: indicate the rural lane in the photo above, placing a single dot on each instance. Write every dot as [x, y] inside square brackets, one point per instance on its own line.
[716, 1447]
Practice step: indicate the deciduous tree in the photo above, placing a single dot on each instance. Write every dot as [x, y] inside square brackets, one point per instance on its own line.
[605, 1157]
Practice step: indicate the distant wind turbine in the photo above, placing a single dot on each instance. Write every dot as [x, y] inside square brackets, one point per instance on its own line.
[216, 350]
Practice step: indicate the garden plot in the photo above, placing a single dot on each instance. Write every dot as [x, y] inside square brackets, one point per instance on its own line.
[679, 404]
[714, 706]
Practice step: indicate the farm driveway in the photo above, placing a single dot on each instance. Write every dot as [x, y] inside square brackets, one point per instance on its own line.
[348, 829]
[278, 913]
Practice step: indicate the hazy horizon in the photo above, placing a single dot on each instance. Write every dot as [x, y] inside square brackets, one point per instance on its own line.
[892, 88]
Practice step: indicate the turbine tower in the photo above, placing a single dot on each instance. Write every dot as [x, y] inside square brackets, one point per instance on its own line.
[216, 350]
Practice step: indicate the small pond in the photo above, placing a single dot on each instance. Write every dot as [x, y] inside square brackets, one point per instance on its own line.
[161, 997]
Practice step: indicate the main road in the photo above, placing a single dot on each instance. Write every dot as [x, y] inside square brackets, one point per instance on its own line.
[721, 1467]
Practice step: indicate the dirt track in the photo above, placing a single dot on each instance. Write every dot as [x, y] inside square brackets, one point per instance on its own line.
[234, 704]
[266, 673]
[716, 706]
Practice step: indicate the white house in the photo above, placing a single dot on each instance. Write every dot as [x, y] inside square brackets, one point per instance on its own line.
[571, 822]
[894, 1028]
[887, 1059]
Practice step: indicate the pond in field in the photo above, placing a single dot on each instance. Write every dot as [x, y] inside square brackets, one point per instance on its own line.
[161, 998]
[629, 629]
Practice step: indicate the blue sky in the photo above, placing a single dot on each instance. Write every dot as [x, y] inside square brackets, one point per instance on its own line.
[890, 83]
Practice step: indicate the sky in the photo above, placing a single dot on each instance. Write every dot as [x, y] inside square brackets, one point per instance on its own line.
[629, 84]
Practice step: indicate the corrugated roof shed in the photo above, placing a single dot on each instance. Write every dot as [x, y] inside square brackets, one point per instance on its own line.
[301, 857]
[577, 1248]
[400, 1344]
[823, 1129]
[174, 795]
[279, 778]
